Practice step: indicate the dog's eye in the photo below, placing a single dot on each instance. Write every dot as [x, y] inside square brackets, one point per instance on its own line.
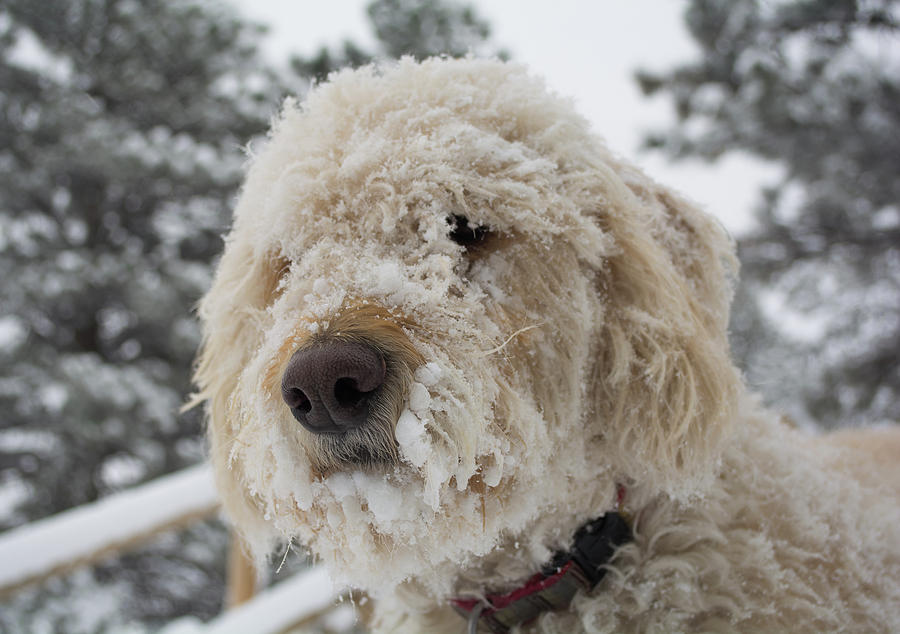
[465, 234]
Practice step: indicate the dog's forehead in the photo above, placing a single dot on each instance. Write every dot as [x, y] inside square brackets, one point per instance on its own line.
[382, 153]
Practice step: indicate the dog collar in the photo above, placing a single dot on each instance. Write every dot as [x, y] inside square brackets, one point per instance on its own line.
[553, 588]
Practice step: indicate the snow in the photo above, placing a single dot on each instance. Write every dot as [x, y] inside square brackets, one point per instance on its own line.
[29, 53]
[419, 398]
[340, 619]
[385, 501]
[86, 532]
[388, 278]
[887, 218]
[12, 333]
[429, 374]
[13, 492]
[121, 471]
[18, 440]
[275, 610]
[53, 396]
[410, 435]
[804, 327]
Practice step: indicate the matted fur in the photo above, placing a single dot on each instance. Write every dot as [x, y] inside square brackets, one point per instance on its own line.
[580, 346]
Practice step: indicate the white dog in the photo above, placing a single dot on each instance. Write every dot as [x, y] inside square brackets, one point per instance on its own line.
[478, 365]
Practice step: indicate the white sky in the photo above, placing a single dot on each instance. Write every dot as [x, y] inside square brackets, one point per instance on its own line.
[585, 49]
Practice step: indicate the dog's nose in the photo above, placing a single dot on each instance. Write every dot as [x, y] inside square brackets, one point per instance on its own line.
[329, 387]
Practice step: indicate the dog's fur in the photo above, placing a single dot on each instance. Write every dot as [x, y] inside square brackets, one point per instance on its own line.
[580, 345]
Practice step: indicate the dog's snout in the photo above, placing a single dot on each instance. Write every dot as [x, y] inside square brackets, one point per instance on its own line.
[329, 387]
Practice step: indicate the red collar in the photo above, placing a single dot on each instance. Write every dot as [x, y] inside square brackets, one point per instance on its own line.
[553, 588]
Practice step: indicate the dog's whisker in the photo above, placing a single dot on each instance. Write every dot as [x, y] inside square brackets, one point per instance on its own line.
[503, 345]
[287, 550]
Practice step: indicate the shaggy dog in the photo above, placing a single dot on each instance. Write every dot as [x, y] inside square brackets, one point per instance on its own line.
[451, 332]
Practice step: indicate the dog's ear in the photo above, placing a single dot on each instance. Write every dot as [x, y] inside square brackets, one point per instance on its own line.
[665, 387]
[247, 281]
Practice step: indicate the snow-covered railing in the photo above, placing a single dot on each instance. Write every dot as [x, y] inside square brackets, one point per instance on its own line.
[304, 597]
[85, 534]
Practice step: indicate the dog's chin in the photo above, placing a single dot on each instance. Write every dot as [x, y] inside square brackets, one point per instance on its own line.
[367, 448]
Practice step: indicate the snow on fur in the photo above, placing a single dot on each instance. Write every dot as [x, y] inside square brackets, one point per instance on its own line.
[583, 347]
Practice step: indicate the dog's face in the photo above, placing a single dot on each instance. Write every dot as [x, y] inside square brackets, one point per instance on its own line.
[447, 320]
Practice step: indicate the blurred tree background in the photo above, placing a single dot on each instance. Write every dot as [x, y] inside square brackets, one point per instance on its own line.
[813, 85]
[122, 124]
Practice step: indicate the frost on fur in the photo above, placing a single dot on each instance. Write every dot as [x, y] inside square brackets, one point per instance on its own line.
[579, 344]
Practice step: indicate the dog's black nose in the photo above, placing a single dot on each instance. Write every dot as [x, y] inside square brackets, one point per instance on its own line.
[329, 386]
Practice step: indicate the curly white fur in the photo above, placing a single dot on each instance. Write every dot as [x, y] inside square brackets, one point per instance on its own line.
[581, 347]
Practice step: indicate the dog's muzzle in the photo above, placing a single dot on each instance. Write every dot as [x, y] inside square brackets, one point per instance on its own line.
[329, 387]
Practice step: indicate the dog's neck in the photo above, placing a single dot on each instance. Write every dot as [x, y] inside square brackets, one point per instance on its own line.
[553, 588]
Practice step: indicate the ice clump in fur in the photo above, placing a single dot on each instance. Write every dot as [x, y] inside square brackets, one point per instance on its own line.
[429, 374]
[419, 399]
[384, 501]
[410, 435]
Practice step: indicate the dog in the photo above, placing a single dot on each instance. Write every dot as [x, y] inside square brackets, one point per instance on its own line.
[478, 365]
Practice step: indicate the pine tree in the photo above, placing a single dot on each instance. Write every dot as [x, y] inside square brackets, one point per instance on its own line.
[121, 128]
[418, 28]
[813, 85]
